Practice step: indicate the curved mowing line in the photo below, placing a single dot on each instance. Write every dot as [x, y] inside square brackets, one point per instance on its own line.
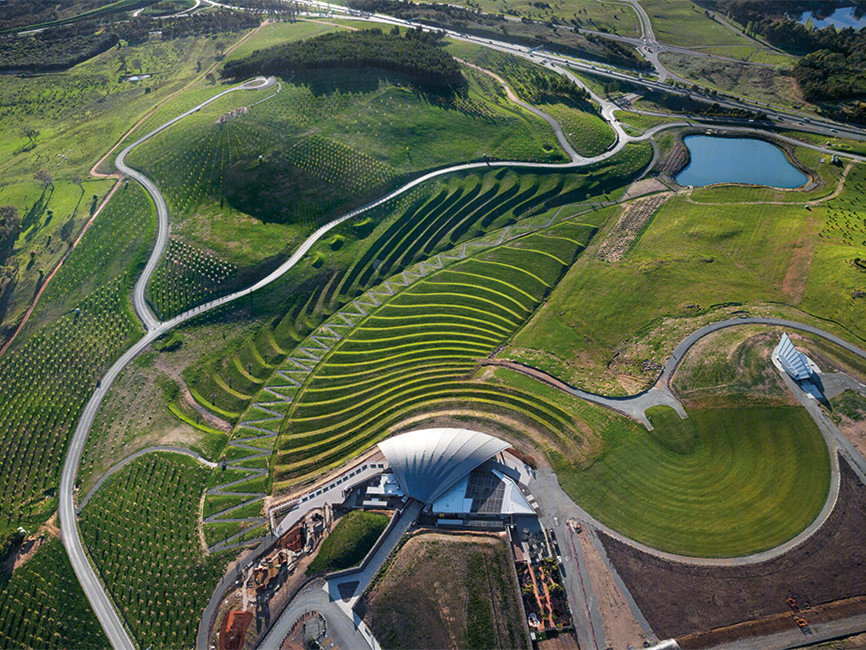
[464, 357]
[439, 281]
[385, 418]
[560, 238]
[480, 260]
[373, 349]
[517, 289]
[443, 314]
[462, 296]
[374, 341]
[382, 386]
[312, 388]
[362, 404]
[448, 347]
[538, 252]
[473, 325]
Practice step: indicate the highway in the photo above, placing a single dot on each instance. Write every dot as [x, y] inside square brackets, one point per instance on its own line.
[101, 602]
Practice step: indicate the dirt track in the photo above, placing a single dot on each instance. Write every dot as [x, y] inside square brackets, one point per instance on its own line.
[680, 599]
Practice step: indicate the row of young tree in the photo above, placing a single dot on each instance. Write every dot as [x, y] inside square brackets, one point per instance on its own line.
[62, 47]
[418, 53]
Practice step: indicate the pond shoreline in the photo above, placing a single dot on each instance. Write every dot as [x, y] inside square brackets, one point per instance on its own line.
[813, 179]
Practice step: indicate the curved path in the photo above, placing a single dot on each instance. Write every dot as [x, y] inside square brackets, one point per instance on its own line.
[546, 487]
[141, 452]
[99, 599]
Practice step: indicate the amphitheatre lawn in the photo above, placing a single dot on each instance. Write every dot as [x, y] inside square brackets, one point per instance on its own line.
[723, 483]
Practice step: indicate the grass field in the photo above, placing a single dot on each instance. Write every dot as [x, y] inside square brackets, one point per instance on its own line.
[588, 133]
[724, 482]
[444, 591]
[760, 83]
[43, 606]
[606, 326]
[142, 531]
[682, 22]
[349, 542]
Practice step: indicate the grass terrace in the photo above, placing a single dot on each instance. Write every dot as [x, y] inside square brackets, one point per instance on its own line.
[414, 351]
[725, 482]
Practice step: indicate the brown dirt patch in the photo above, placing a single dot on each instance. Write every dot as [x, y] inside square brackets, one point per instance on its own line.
[436, 584]
[683, 599]
[794, 282]
[620, 626]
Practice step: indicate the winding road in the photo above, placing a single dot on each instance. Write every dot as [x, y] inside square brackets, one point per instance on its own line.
[101, 602]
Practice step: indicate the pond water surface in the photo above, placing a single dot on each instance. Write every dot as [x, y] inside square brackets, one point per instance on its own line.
[840, 18]
[737, 160]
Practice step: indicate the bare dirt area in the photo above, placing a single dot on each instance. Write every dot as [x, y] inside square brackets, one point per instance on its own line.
[447, 591]
[620, 626]
[632, 220]
[681, 599]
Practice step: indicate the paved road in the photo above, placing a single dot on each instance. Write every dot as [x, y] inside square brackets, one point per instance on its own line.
[138, 300]
[314, 598]
[783, 116]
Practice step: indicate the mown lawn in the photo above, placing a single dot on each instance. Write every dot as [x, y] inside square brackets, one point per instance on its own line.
[725, 482]
[351, 540]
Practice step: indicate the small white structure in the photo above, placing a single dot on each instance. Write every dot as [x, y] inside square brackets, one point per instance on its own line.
[795, 363]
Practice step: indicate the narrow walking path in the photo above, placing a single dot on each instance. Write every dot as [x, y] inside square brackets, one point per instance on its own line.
[141, 452]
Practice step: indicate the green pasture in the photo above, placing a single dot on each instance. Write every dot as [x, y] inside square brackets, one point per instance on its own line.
[349, 542]
[682, 22]
[690, 259]
[723, 483]
[142, 532]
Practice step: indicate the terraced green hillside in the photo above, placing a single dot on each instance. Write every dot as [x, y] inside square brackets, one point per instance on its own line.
[247, 180]
[725, 482]
[414, 352]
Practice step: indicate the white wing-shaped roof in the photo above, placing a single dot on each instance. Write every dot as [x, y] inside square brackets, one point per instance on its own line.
[793, 361]
[428, 462]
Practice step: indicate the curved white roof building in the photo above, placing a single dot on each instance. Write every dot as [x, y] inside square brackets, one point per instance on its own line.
[428, 462]
[795, 363]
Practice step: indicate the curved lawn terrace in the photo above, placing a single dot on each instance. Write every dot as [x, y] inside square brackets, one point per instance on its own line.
[414, 352]
[725, 482]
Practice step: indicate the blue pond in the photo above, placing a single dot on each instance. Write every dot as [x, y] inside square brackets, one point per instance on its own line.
[840, 19]
[737, 160]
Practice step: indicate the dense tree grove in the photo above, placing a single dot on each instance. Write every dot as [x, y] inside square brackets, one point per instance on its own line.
[52, 49]
[62, 47]
[834, 65]
[417, 53]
